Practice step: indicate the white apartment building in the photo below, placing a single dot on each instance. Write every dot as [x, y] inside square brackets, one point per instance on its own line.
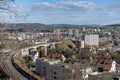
[70, 32]
[92, 39]
[76, 32]
[57, 31]
[55, 70]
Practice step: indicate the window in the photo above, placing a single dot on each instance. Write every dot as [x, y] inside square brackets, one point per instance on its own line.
[44, 67]
[55, 77]
[44, 73]
[54, 72]
[115, 78]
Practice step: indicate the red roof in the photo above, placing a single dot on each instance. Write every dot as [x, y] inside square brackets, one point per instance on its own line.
[54, 56]
[105, 64]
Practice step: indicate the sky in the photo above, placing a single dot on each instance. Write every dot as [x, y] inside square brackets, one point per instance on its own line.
[68, 11]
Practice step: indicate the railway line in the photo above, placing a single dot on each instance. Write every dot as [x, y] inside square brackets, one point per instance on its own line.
[9, 69]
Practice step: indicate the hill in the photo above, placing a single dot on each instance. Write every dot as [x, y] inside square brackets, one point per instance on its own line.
[38, 27]
[24, 27]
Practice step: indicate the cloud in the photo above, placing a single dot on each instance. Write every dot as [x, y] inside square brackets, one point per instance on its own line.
[66, 6]
[74, 7]
[115, 5]
[45, 6]
[16, 6]
[106, 14]
[76, 12]
[111, 9]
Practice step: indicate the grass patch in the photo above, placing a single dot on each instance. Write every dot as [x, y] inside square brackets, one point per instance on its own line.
[32, 69]
[67, 45]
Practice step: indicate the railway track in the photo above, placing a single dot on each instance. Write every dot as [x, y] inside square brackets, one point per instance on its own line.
[10, 70]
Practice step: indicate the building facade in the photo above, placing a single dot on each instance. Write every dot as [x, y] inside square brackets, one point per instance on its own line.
[55, 70]
[92, 39]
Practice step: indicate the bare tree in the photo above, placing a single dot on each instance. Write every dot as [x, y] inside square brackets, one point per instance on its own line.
[5, 5]
[10, 8]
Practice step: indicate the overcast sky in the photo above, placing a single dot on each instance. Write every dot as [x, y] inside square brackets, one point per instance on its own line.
[69, 11]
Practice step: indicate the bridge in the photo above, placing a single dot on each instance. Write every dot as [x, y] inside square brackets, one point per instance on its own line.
[25, 51]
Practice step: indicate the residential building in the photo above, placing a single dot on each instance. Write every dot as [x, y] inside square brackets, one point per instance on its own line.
[57, 32]
[80, 44]
[105, 39]
[70, 32]
[104, 76]
[92, 39]
[76, 33]
[55, 70]
[106, 65]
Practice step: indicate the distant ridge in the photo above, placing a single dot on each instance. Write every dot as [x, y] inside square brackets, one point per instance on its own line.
[22, 25]
[113, 25]
[40, 26]
[74, 25]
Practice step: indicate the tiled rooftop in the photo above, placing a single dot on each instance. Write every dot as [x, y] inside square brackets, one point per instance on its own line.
[105, 64]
